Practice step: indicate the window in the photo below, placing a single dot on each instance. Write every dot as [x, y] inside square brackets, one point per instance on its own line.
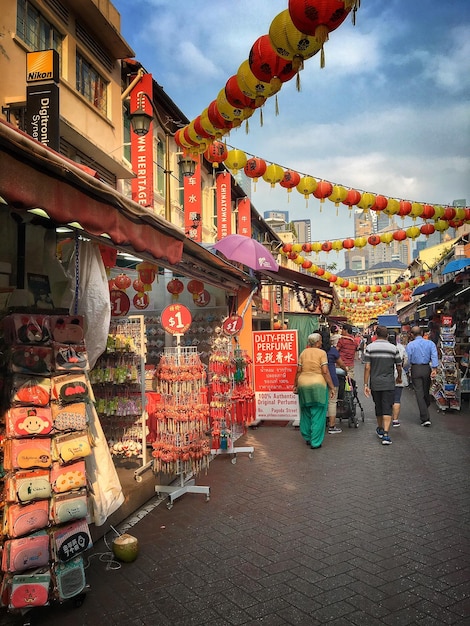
[36, 31]
[91, 85]
[160, 174]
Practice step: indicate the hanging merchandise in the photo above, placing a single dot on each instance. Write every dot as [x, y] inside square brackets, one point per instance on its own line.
[445, 387]
[231, 398]
[181, 447]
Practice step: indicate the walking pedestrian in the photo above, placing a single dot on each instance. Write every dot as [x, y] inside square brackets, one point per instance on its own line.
[380, 359]
[347, 349]
[392, 337]
[334, 361]
[423, 358]
[312, 382]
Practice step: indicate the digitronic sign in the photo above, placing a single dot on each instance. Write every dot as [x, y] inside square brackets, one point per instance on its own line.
[42, 66]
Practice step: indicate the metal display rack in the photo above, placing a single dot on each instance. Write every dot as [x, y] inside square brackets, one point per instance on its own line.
[181, 447]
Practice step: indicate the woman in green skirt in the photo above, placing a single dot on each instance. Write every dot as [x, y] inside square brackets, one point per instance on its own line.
[312, 382]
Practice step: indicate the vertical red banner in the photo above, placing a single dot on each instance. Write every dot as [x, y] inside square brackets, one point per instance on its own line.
[224, 204]
[142, 146]
[193, 205]
[244, 217]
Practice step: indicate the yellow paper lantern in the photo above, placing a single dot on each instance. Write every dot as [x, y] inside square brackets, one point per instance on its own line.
[252, 87]
[299, 260]
[227, 111]
[297, 247]
[273, 174]
[306, 186]
[416, 209]
[460, 213]
[438, 212]
[413, 232]
[360, 242]
[289, 42]
[393, 206]
[338, 194]
[366, 201]
[208, 127]
[441, 225]
[316, 247]
[337, 245]
[236, 160]
[386, 238]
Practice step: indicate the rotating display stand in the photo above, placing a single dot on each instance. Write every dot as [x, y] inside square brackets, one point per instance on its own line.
[181, 447]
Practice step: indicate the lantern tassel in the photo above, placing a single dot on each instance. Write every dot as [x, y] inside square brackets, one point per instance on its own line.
[322, 58]
[297, 81]
[261, 117]
[276, 107]
[247, 127]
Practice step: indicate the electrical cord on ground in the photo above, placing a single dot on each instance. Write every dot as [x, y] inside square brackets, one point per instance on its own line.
[106, 557]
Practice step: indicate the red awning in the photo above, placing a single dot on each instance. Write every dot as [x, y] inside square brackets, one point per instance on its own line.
[34, 176]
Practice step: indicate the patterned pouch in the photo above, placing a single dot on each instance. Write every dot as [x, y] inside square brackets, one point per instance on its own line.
[69, 416]
[68, 477]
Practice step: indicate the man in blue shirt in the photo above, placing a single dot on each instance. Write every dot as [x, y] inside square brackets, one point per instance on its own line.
[423, 359]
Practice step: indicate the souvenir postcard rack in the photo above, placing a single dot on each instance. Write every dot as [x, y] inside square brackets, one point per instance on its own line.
[446, 386]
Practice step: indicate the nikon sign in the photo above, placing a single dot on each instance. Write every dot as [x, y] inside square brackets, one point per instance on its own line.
[42, 97]
[42, 66]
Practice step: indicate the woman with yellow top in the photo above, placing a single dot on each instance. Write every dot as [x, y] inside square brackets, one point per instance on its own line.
[312, 382]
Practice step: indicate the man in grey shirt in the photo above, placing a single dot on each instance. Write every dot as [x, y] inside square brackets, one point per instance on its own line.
[380, 359]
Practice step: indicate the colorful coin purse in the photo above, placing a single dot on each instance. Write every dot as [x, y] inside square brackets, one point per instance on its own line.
[22, 519]
[67, 329]
[27, 453]
[67, 388]
[26, 553]
[28, 421]
[68, 477]
[66, 507]
[29, 590]
[71, 447]
[25, 486]
[69, 578]
[71, 540]
[69, 416]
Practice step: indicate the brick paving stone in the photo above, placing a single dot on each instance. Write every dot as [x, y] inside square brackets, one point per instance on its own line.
[354, 533]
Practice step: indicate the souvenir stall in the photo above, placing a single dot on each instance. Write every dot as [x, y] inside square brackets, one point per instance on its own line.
[47, 439]
[445, 387]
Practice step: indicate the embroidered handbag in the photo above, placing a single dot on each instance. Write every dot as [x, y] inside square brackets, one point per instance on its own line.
[24, 486]
[71, 447]
[28, 421]
[67, 477]
[26, 553]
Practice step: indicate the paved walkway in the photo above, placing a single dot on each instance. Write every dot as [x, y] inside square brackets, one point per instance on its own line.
[352, 533]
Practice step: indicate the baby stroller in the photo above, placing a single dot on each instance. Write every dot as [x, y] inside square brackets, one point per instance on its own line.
[348, 400]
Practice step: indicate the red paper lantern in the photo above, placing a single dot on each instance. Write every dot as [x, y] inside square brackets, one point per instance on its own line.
[255, 168]
[290, 180]
[307, 264]
[320, 271]
[175, 287]
[449, 213]
[147, 272]
[428, 212]
[195, 287]
[374, 240]
[405, 208]
[111, 284]
[236, 97]
[333, 278]
[200, 130]
[268, 66]
[323, 190]
[399, 235]
[352, 197]
[307, 16]
[138, 285]
[216, 153]
[327, 246]
[122, 282]
[287, 247]
[380, 203]
[345, 283]
[427, 229]
[216, 119]
[348, 244]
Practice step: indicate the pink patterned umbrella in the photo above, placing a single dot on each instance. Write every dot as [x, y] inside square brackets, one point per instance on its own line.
[247, 251]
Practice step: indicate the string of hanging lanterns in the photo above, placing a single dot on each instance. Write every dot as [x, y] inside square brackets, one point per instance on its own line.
[295, 35]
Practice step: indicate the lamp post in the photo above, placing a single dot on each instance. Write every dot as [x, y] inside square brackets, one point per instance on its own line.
[140, 123]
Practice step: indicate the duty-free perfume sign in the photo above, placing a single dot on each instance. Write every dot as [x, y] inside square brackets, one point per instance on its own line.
[275, 365]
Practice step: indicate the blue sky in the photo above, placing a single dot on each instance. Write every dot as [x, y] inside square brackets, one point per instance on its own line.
[390, 112]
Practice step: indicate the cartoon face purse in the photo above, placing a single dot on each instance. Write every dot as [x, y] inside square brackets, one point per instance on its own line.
[26, 553]
[28, 485]
[27, 453]
[71, 447]
[67, 477]
[29, 590]
[28, 421]
[67, 329]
